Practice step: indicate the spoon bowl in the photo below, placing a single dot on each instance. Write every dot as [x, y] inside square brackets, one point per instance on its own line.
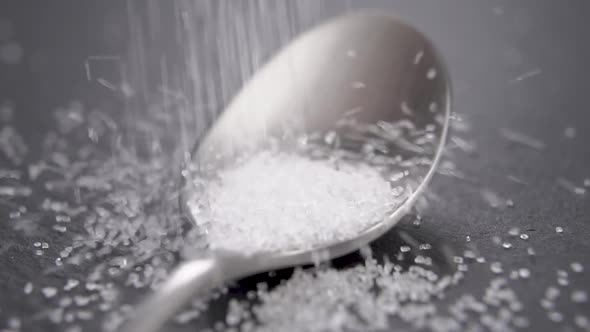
[365, 85]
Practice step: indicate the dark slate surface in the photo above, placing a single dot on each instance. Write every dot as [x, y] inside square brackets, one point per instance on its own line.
[488, 45]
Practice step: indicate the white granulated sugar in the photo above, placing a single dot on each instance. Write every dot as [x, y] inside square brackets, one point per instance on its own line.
[281, 202]
[375, 297]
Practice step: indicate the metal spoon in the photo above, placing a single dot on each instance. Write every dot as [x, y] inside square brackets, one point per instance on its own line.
[354, 78]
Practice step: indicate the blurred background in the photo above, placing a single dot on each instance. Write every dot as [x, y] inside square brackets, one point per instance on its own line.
[151, 76]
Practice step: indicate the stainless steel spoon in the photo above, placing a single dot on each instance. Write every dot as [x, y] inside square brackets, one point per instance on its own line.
[365, 79]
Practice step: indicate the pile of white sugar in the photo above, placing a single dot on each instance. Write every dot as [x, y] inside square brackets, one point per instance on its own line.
[282, 202]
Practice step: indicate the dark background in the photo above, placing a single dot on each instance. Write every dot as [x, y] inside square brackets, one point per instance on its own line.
[488, 45]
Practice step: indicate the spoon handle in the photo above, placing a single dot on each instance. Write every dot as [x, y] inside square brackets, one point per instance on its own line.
[191, 277]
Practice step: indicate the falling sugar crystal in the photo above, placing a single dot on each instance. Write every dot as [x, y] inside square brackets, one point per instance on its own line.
[522, 139]
[431, 74]
[418, 57]
[358, 85]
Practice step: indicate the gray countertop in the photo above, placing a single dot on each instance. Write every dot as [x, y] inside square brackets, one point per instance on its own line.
[516, 67]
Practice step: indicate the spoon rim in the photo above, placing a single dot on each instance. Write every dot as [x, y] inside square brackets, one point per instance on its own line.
[338, 248]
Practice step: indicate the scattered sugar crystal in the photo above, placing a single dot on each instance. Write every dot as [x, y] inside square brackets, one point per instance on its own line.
[37, 244]
[509, 203]
[84, 315]
[65, 302]
[496, 267]
[60, 228]
[562, 281]
[521, 322]
[491, 198]
[524, 236]
[423, 260]
[431, 74]
[514, 231]
[547, 304]
[417, 223]
[425, 246]
[28, 289]
[14, 323]
[552, 293]
[343, 300]
[524, 273]
[577, 267]
[586, 182]
[569, 132]
[44, 245]
[582, 321]
[49, 292]
[404, 248]
[579, 296]
[571, 186]
[558, 229]
[305, 204]
[71, 284]
[468, 238]
[469, 254]
[507, 245]
[530, 251]
[480, 259]
[555, 316]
